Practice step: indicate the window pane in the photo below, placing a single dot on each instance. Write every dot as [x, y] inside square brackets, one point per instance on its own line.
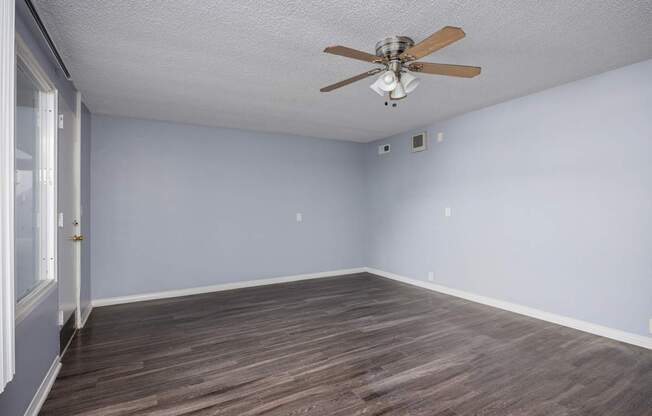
[28, 144]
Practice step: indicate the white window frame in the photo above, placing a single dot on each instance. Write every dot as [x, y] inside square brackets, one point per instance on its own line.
[48, 182]
[7, 103]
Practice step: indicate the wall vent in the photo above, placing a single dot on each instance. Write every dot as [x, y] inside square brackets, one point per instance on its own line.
[384, 148]
[419, 142]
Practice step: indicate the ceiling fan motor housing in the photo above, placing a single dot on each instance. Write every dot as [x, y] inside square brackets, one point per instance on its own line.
[391, 47]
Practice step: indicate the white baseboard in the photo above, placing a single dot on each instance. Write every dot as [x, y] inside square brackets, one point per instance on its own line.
[85, 315]
[44, 389]
[221, 287]
[616, 334]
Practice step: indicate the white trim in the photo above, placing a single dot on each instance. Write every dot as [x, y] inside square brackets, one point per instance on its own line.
[222, 287]
[616, 334]
[52, 194]
[48, 132]
[40, 76]
[77, 208]
[33, 299]
[44, 389]
[48, 109]
[7, 108]
[85, 316]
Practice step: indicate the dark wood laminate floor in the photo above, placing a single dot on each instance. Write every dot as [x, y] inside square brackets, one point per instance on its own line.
[355, 345]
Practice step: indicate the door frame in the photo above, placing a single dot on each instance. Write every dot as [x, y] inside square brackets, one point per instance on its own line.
[77, 207]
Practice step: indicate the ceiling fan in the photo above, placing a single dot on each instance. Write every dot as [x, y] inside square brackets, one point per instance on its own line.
[396, 56]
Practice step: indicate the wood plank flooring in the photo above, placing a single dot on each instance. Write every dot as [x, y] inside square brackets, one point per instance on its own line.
[352, 345]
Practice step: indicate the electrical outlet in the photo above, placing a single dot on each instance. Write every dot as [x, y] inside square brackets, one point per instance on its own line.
[448, 211]
[60, 318]
[431, 276]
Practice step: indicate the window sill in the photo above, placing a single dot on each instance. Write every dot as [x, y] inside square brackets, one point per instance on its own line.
[27, 304]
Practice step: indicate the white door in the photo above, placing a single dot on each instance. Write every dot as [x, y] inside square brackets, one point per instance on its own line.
[68, 207]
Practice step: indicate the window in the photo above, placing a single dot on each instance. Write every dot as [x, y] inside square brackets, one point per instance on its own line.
[34, 181]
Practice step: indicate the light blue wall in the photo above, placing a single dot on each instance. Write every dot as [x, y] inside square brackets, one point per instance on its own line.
[37, 345]
[180, 206]
[551, 196]
[37, 336]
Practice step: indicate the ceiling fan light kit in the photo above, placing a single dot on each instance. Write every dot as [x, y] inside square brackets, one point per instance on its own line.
[397, 93]
[387, 81]
[396, 54]
[409, 81]
[376, 88]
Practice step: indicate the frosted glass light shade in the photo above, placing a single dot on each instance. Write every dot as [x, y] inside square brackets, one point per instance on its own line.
[376, 88]
[398, 92]
[387, 81]
[409, 81]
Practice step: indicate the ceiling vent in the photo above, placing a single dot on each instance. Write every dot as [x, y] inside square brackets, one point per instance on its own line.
[419, 142]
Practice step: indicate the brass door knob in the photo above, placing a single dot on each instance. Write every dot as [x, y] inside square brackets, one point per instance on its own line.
[78, 237]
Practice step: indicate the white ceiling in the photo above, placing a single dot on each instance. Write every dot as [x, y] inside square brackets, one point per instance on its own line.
[258, 64]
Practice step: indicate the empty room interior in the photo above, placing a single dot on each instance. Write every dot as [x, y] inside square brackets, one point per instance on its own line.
[346, 208]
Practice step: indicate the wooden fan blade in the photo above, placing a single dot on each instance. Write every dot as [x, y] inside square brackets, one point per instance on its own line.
[445, 69]
[434, 42]
[352, 53]
[350, 80]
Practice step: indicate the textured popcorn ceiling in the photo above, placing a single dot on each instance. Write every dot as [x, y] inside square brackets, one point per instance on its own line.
[258, 64]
